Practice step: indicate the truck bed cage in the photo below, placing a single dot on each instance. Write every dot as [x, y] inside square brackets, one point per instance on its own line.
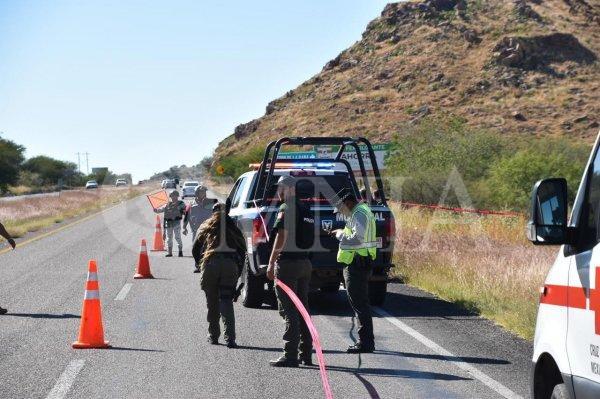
[270, 159]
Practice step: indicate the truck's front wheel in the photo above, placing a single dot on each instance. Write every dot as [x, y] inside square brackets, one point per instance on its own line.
[377, 292]
[253, 292]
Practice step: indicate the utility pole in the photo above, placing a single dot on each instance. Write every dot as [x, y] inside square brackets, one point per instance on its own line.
[79, 162]
[87, 162]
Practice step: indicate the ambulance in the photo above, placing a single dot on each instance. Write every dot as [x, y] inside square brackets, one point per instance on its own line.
[566, 353]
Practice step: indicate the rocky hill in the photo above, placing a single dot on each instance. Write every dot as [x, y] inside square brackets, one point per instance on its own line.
[513, 67]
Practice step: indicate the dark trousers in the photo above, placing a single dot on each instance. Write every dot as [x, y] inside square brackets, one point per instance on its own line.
[356, 277]
[218, 279]
[295, 273]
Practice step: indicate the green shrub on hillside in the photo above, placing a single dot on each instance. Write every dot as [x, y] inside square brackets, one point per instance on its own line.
[426, 155]
[236, 164]
[497, 171]
[512, 177]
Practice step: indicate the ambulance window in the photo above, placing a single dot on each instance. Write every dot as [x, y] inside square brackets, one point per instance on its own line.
[591, 210]
[235, 201]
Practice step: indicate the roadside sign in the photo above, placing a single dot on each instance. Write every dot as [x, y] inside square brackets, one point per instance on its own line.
[380, 150]
[297, 155]
[158, 199]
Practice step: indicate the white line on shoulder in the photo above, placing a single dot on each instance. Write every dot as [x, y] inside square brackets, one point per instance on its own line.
[66, 379]
[482, 377]
[123, 293]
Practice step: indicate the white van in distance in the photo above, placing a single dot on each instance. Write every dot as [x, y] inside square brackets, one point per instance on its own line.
[566, 350]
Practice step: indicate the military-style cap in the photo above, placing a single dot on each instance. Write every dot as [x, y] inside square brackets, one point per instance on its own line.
[200, 188]
[338, 200]
[217, 207]
[174, 192]
[286, 181]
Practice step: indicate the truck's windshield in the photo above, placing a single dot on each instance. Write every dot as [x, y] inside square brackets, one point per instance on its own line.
[315, 189]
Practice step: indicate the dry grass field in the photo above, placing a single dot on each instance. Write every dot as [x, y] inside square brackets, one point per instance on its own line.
[21, 216]
[483, 263]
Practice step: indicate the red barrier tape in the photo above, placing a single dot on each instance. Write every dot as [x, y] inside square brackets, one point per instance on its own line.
[314, 334]
[463, 210]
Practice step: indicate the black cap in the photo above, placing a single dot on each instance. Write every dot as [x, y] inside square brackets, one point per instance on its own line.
[343, 195]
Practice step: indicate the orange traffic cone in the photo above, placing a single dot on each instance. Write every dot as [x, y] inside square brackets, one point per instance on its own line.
[158, 244]
[91, 333]
[143, 266]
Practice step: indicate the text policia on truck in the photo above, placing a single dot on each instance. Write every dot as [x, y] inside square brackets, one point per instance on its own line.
[566, 358]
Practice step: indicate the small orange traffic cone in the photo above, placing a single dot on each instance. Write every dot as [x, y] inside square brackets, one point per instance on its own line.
[143, 266]
[91, 333]
[158, 244]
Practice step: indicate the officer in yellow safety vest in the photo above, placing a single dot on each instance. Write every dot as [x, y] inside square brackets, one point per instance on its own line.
[357, 250]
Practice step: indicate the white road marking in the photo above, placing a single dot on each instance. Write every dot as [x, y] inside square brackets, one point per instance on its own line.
[483, 378]
[123, 293]
[66, 379]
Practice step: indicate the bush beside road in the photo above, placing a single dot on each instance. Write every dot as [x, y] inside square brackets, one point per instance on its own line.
[483, 263]
[34, 213]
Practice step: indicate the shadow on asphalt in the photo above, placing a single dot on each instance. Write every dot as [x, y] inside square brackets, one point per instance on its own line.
[464, 359]
[45, 315]
[386, 372]
[258, 348]
[396, 304]
[120, 348]
[402, 306]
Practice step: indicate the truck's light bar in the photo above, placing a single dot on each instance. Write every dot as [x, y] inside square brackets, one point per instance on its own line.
[297, 165]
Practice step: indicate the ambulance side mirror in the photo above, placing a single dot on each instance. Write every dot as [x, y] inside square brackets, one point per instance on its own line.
[548, 221]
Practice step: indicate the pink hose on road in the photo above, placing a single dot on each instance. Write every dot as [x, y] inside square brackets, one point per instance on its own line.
[314, 334]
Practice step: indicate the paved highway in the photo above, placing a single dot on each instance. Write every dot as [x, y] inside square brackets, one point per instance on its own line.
[426, 348]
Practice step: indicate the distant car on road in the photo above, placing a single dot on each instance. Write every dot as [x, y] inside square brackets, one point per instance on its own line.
[120, 182]
[168, 183]
[91, 184]
[189, 188]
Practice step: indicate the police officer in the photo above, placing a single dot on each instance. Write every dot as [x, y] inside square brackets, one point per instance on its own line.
[197, 214]
[174, 212]
[13, 244]
[220, 249]
[357, 250]
[290, 264]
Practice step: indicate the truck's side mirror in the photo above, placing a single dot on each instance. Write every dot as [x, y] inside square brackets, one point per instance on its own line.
[548, 222]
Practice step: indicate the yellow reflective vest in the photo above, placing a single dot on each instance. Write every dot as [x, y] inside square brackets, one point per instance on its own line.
[368, 246]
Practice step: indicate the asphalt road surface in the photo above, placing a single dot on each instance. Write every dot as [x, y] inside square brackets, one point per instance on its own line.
[426, 348]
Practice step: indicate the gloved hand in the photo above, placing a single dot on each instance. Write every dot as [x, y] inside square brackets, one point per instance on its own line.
[185, 232]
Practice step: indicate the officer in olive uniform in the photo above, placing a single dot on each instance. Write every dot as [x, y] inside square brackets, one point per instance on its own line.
[289, 262]
[174, 212]
[220, 250]
[197, 214]
[12, 243]
[357, 250]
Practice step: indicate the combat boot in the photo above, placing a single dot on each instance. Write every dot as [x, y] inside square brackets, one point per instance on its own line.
[168, 255]
[284, 362]
[212, 341]
[359, 347]
[306, 360]
[3, 311]
[180, 253]
[231, 344]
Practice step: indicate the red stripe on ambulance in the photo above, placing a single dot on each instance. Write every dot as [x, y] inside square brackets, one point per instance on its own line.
[574, 297]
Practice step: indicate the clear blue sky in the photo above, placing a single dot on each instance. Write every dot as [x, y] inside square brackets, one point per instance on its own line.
[143, 85]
